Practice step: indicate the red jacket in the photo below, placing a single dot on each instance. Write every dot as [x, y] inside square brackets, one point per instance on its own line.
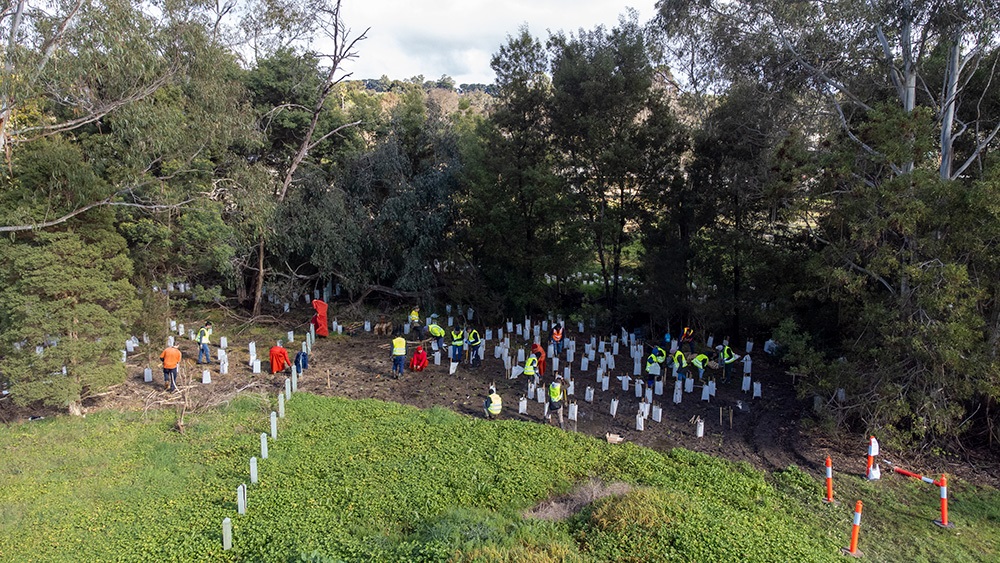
[419, 360]
[319, 319]
[279, 359]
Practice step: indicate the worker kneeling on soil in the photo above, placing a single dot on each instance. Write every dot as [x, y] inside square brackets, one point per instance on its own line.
[279, 358]
[419, 360]
[493, 404]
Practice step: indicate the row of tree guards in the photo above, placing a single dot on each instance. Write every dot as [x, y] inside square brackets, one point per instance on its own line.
[291, 387]
[873, 473]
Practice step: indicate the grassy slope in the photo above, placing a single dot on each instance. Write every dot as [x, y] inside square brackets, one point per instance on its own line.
[365, 480]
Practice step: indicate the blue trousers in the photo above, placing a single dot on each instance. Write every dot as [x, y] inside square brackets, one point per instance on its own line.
[397, 364]
[456, 353]
[170, 376]
[204, 351]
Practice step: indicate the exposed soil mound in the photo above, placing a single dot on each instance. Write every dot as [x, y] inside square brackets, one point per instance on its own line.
[565, 506]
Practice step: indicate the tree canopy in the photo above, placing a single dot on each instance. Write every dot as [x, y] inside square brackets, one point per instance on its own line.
[824, 172]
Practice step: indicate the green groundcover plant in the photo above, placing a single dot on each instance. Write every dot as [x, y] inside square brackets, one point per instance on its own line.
[373, 481]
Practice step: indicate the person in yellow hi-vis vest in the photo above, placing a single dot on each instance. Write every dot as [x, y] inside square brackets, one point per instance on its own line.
[203, 338]
[457, 343]
[531, 367]
[398, 356]
[681, 363]
[493, 404]
[556, 397]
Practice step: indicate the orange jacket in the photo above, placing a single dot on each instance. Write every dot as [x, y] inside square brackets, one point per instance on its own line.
[279, 359]
[171, 357]
[536, 349]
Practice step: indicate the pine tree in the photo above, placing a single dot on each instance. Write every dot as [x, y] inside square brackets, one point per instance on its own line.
[65, 306]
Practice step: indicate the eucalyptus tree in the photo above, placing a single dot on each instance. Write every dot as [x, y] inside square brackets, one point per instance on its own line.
[381, 220]
[108, 111]
[907, 129]
[319, 31]
[853, 56]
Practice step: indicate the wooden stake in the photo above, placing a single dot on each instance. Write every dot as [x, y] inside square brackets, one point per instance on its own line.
[720, 416]
[730, 418]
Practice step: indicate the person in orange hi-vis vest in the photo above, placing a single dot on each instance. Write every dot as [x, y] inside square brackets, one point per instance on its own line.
[687, 336]
[556, 337]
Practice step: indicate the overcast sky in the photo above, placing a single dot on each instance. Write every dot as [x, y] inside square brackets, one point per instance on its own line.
[458, 37]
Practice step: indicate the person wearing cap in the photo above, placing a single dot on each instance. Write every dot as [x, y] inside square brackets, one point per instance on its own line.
[493, 403]
[656, 357]
[556, 396]
[203, 338]
[170, 357]
[727, 358]
[700, 361]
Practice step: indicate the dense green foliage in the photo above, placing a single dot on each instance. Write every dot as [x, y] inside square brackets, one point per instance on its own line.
[732, 166]
[365, 480]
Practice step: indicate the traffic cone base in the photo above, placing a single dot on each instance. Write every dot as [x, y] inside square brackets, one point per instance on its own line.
[940, 525]
[847, 551]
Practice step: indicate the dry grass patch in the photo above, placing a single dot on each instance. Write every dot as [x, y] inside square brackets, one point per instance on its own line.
[561, 508]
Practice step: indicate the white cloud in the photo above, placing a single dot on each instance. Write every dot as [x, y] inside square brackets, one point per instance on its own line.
[458, 38]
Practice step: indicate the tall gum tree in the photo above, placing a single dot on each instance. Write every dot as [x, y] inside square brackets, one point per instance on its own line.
[308, 21]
